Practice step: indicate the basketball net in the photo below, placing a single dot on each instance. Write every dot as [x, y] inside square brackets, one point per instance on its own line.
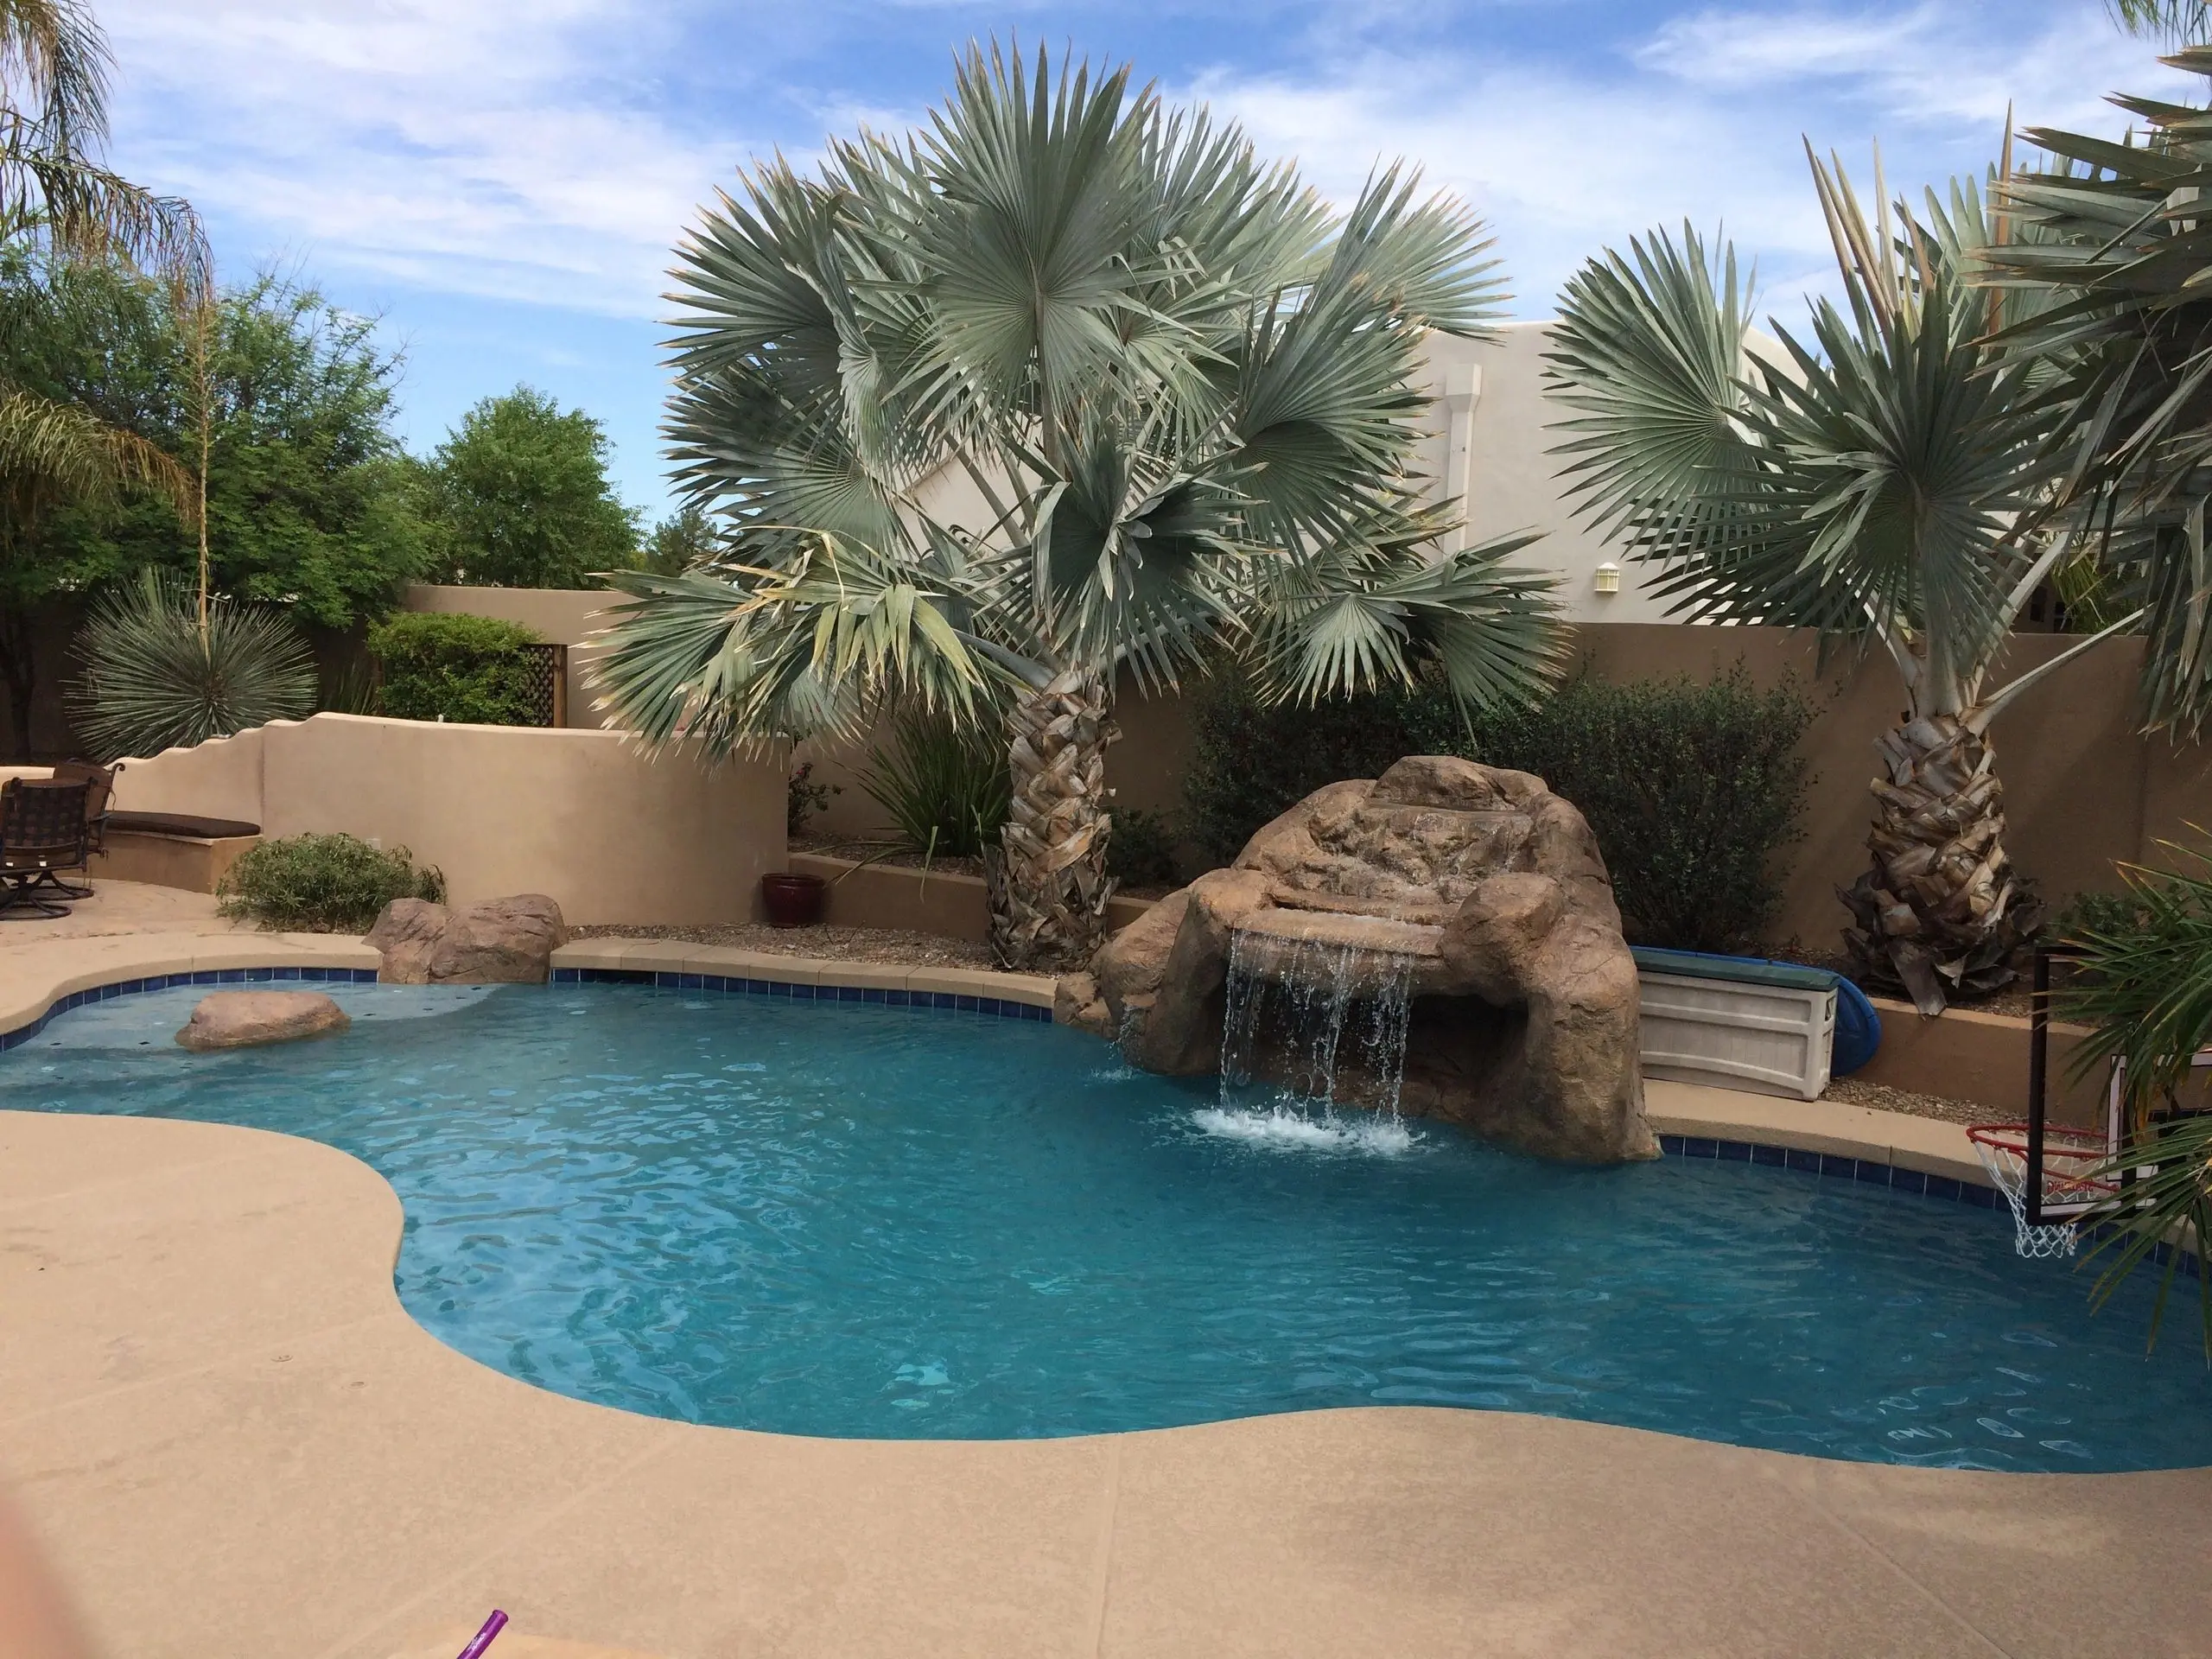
[2069, 1188]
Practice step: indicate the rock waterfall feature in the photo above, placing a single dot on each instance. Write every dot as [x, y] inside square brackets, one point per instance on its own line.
[1458, 915]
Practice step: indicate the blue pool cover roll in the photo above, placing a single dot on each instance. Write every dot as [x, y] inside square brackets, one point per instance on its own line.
[1857, 1026]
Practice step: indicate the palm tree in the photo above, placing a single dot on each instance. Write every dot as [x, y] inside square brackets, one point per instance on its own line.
[1891, 481]
[2118, 268]
[58, 199]
[2178, 22]
[1066, 386]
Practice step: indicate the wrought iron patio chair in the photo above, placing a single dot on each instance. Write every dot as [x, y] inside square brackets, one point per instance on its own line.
[99, 791]
[43, 833]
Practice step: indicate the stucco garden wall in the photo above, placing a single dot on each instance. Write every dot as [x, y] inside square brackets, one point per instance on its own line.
[583, 815]
[2082, 786]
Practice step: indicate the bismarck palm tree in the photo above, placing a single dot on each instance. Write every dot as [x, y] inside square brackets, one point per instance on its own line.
[2119, 267]
[1891, 481]
[1066, 386]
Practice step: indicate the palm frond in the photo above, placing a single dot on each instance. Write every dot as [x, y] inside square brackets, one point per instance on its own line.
[1166, 368]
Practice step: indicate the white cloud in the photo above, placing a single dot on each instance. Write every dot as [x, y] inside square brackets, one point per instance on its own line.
[1940, 62]
[527, 150]
[1701, 120]
[499, 148]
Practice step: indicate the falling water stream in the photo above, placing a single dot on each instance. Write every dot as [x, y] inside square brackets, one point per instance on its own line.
[1313, 1007]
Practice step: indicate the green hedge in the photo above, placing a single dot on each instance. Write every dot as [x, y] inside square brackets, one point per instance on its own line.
[1694, 790]
[322, 884]
[470, 669]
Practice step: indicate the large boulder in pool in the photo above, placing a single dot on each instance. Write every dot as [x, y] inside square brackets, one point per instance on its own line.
[499, 942]
[247, 1019]
[1479, 887]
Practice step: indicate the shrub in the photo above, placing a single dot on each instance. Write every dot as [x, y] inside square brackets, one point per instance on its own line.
[1691, 789]
[946, 789]
[471, 669]
[1250, 761]
[1141, 853]
[1694, 792]
[323, 884]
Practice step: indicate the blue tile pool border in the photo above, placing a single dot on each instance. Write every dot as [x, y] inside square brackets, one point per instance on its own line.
[885, 996]
[1835, 1166]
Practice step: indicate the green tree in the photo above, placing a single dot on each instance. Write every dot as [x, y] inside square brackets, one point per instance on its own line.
[309, 501]
[517, 497]
[306, 504]
[59, 199]
[1182, 385]
[685, 538]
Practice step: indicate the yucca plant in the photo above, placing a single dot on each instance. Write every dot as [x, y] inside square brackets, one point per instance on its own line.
[943, 783]
[161, 672]
[1891, 481]
[1178, 393]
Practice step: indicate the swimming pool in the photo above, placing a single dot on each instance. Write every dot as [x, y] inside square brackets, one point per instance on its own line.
[845, 1219]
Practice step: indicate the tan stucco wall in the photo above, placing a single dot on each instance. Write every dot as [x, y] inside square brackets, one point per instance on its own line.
[613, 835]
[2082, 787]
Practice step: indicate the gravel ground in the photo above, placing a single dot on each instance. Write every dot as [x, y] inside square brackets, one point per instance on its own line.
[837, 944]
[1882, 1098]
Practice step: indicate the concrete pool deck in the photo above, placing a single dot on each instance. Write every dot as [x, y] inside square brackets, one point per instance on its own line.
[236, 1441]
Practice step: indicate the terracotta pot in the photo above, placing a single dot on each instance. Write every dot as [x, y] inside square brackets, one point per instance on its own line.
[794, 900]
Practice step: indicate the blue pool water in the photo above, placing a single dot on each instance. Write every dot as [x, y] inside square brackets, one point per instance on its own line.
[850, 1220]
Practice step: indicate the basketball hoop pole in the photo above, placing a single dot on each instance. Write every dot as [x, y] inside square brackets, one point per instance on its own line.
[2039, 1069]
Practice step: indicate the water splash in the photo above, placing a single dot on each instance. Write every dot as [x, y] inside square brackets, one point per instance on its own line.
[1281, 1129]
[1307, 1005]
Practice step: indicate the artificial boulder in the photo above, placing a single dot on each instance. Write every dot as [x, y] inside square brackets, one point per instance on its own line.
[1481, 887]
[499, 942]
[247, 1019]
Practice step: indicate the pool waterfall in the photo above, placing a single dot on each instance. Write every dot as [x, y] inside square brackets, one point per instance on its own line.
[1313, 1020]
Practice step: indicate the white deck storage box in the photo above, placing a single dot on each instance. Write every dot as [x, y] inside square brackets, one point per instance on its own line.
[1768, 1027]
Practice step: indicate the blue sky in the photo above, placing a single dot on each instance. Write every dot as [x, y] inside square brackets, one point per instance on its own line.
[501, 180]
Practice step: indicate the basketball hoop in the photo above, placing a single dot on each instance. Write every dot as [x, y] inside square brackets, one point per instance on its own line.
[2050, 1226]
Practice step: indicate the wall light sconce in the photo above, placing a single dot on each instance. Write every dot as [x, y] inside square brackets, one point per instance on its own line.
[1607, 577]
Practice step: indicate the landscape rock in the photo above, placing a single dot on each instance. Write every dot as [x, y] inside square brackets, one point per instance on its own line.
[498, 942]
[1524, 1017]
[244, 1018]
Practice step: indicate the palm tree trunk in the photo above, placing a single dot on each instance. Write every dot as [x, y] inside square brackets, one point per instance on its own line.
[1047, 880]
[1941, 913]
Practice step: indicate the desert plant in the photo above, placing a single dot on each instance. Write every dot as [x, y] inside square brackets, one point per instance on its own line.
[1182, 386]
[322, 884]
[470, 669]
[943, 784]
[160, 671]
[1892, 481]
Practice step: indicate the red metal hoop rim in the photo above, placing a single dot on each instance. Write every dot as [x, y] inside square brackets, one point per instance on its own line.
[2081, 1146]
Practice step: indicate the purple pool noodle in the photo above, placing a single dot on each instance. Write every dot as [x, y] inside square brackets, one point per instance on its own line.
[482, 1639]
